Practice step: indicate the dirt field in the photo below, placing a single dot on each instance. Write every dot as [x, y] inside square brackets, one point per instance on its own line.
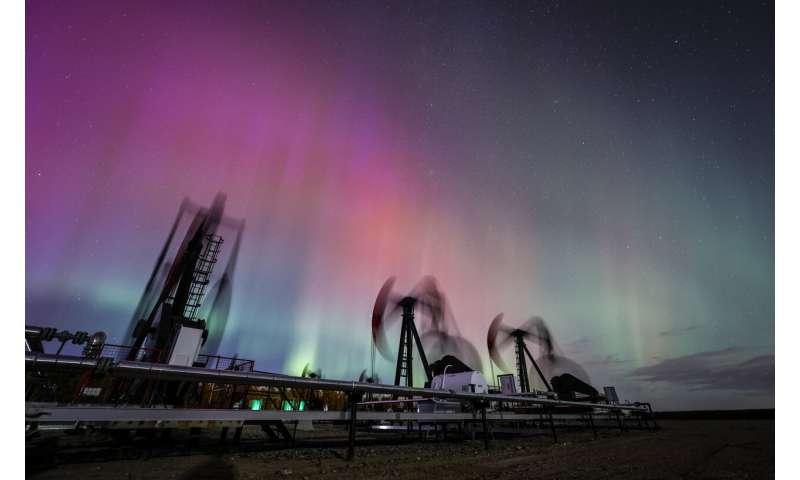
[708, 449]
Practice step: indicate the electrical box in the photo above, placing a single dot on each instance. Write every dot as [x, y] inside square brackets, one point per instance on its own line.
[186, 346]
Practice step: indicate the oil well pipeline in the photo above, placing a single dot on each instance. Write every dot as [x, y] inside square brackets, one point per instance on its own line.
[168, 375]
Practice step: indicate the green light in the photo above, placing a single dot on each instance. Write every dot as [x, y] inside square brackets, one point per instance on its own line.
[287, 406]
[255, 404]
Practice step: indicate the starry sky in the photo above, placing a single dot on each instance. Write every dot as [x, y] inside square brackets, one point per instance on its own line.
[607, 165]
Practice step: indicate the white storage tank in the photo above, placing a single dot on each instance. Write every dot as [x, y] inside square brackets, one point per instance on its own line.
[469, 382]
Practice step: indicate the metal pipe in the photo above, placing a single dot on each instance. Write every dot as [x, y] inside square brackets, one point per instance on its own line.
[538, 370]
[34, 360]
[444, 375]
[421, 351]
[45, 412]
[160, 371]
[30, 330]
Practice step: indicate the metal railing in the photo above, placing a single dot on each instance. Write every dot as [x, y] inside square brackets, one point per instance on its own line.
[194, 374]
[120, 352]
[219, 362]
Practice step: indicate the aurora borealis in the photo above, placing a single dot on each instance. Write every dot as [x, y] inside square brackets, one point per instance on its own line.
[608, 166]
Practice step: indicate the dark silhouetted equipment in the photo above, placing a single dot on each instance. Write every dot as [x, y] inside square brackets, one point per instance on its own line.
[161, 381]
[569, 387]
[533, 329]
[572, 378]
[440, 335]
[364, 378]
[167, 315]
[387, 305]
[453, 365]
[308, 373]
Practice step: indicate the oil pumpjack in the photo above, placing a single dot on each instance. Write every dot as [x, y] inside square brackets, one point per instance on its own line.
[568, 379]
[518, 336]
[166, 318]
[409, 336]
[448, 348]
[170, 328]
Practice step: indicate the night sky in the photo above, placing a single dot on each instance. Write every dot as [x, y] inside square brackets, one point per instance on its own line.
[607, 165]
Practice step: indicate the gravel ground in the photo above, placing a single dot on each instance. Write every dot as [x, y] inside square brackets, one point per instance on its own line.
[729, 449]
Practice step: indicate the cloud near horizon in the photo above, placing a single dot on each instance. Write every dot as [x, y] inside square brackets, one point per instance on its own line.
[677, 332]
[726, 369]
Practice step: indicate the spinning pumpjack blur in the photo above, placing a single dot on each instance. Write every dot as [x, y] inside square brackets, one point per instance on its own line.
[164, 370]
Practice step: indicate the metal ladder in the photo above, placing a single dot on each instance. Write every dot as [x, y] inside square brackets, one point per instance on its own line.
[524, 383]
[404, 367]
[202, 274]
